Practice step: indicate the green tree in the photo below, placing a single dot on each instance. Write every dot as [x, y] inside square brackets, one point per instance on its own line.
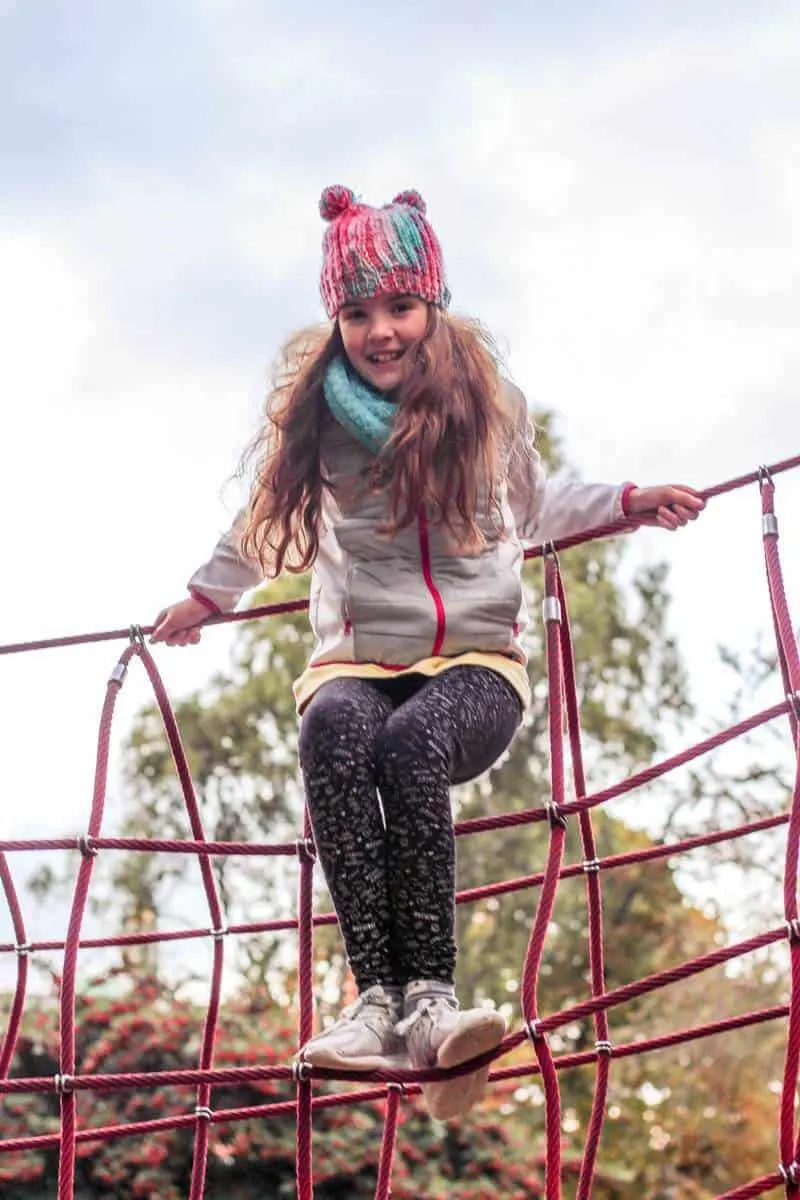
[241, 735]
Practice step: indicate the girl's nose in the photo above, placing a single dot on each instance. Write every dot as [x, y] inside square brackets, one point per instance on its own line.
[380, 328]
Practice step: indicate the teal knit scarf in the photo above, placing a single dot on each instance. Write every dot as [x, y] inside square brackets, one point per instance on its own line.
[359, 408]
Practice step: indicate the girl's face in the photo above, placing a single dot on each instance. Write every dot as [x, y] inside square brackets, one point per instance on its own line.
[381, 335]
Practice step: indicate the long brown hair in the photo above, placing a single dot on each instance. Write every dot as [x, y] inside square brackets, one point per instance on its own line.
[443, 453]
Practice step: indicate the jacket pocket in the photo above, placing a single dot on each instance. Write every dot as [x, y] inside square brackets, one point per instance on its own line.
[393, 617]
[483, 599]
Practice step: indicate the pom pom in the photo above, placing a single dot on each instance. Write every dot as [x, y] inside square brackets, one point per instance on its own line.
[335, 200]
[411, 199]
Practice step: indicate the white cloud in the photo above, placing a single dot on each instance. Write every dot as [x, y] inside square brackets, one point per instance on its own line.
[635, 294]
[47, 319]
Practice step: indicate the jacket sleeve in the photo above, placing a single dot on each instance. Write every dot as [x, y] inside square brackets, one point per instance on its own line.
[220, 582]
[545, 508]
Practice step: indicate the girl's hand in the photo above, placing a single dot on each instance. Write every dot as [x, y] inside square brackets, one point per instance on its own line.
[669, 506]
[177, 625]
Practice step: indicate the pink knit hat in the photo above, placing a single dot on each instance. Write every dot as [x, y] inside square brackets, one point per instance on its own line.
[372, 251]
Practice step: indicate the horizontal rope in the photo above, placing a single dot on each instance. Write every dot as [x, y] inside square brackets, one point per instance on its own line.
[346, 1099]
[272, 610]
[191, 1077]
[467, 896]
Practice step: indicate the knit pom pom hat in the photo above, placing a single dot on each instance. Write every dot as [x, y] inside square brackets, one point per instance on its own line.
[374, 251]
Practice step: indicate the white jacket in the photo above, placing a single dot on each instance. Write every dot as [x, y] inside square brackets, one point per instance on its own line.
[396, 601]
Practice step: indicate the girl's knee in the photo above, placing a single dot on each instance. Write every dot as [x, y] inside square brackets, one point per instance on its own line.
[407, 751]
[318, 711]
[343, 715]
[326, 722]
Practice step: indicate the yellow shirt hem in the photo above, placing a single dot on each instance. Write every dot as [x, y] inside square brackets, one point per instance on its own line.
[313, 678]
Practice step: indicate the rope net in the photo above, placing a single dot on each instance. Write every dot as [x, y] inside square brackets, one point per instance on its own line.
[394, 1085]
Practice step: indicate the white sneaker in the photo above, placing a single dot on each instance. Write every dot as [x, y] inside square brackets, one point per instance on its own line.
[364, 1037]
[439, 1034]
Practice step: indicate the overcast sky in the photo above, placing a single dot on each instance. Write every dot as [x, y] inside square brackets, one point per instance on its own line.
[616, 187]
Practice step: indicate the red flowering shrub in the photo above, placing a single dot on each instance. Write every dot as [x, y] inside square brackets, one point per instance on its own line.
[125, 1029]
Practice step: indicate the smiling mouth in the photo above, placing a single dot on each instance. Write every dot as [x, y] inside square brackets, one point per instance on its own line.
[385, 357]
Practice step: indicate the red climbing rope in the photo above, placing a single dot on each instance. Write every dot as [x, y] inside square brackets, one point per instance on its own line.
[394, 1086]
[290, 606]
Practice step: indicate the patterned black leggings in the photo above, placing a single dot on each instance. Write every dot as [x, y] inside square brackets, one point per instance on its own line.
[389, 861]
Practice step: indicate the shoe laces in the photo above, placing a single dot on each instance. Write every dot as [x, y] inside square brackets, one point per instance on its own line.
[373, 998]
[424, 1008]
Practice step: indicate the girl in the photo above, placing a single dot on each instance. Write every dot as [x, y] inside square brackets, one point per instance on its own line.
[399, 466]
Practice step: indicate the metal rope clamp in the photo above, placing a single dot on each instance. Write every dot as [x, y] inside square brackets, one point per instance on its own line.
[555, 816]
[604, 1047]
[301, 1071]
[119, 673]
[136, 635]
[203, 1112]
[789, 1174]
[64, 1085]
[533, 1031]
[551, 609]
[84, 844]
[793, 930]
[306, 851]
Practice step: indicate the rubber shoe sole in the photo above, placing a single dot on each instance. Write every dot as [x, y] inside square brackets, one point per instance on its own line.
[322, 1056]
[476, 1033]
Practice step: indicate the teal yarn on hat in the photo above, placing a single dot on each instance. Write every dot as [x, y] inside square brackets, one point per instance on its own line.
[369, 251]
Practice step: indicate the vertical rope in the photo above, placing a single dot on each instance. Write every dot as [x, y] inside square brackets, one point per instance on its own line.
[788, 659]
[388, 1142]
[790, 673]
[66, 1164]
[9, 1042]
[594, 905]
[218, 931]
[544, 910]
[305, 964]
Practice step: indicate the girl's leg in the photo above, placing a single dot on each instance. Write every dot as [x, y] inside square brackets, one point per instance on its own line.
[339, 733]
[452, 729]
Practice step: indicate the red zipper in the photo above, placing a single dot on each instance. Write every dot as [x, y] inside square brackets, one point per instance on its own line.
[425, 554]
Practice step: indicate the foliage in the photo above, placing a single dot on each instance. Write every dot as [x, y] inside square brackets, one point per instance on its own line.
[123, 1029]
[681, 1125]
